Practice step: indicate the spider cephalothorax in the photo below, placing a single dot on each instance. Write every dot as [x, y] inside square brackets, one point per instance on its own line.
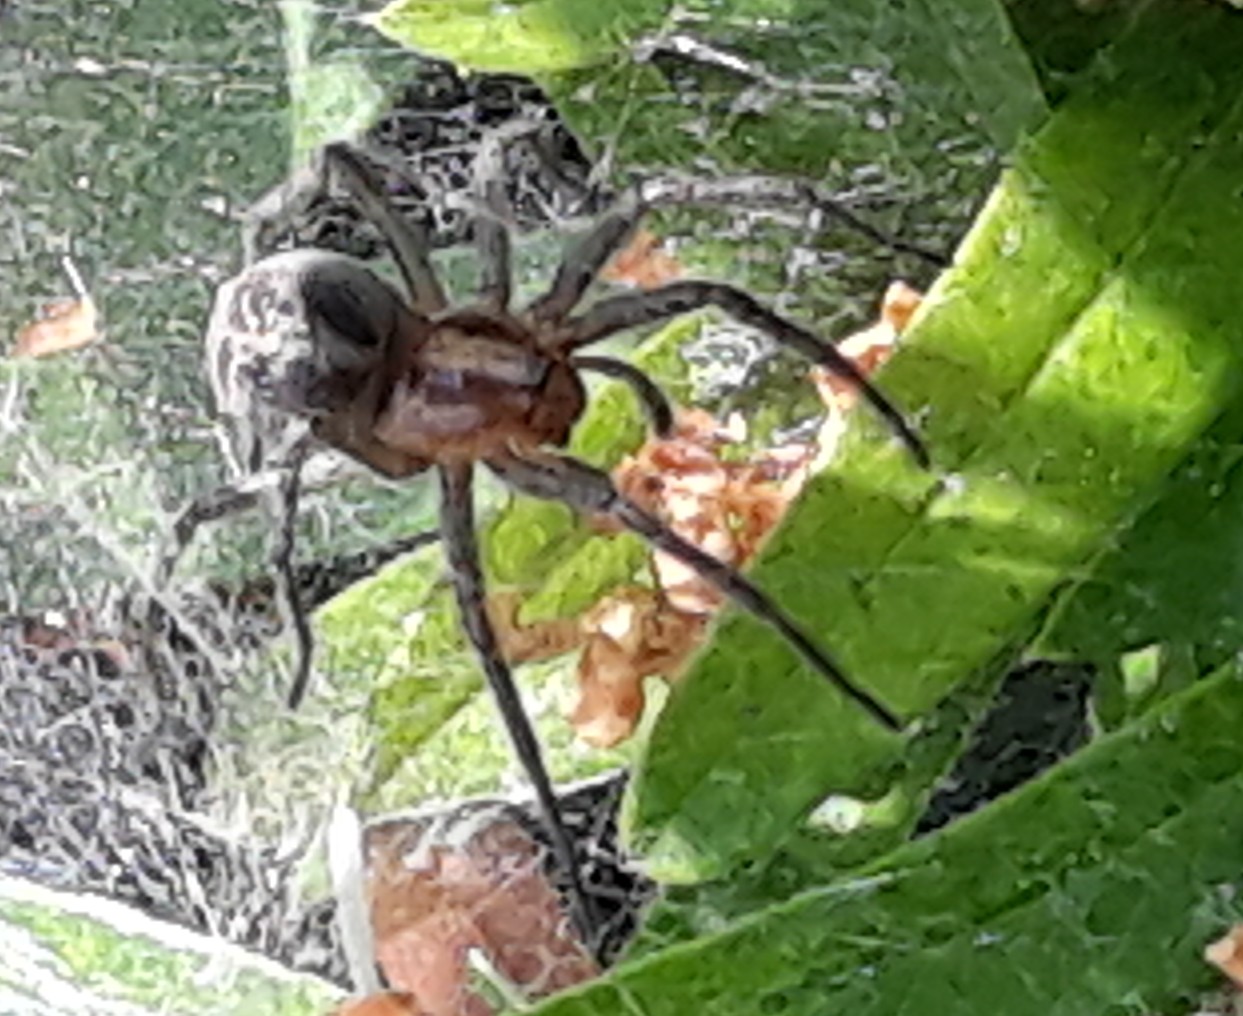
[478, 385]
[405, 387]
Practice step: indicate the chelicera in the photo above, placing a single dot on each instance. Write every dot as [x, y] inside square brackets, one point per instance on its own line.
[408, 383]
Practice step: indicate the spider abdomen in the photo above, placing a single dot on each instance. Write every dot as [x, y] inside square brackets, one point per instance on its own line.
[468, 394]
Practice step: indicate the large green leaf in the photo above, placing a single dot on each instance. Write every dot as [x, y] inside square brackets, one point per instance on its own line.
[1083, 341]
[529, 37]
[1165, 601]
[1062, 36]
[966, 45]
[1093, 888]
[1177, 574]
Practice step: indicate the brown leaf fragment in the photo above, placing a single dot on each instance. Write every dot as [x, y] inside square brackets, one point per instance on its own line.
[476, 883]
[527, 643]
[642, 263]
[386, 1003]
[62, 325]
[725, 506]
[1226, 954]
[869, 349]
[631, 634]
[54, 635]
[722, 506]
[899, 305]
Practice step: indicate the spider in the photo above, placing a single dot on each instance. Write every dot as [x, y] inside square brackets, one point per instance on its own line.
[407, 383]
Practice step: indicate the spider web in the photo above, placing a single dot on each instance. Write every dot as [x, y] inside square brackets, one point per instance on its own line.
[143, 753]
[122, 766]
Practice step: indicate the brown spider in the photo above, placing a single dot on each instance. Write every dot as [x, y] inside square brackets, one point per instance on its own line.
[315, 343]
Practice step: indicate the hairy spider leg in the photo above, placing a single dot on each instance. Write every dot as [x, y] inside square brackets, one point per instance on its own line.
[322, 469]
[655, 404]
[409, 241]
[584, 260]
[630, 310]
[457, 519]
[760, 191]
[491, 233]
[287, 495]
[590, 491]
[227, 499]
[492, 238]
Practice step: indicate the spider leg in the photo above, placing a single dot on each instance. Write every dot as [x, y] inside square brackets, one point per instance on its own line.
[491, 233]
[318, 470]
[289, 601]
[588, 490]
[229, 499]
[584, 260]
[409, 241]
[760, 191]
[659, 411]
[492, 238]
[614, 226]
[630, 310]
[458, 533]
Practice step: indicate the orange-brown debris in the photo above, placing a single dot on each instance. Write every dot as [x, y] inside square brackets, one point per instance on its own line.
[386, 1003]
[723, 505]
[1226, 954]
[61, 326]
[525, 643]
[642, 263]
[632, 634]
[434, 901]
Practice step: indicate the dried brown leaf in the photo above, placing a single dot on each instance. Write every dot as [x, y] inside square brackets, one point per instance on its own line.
[434, 900]
[527, 643]
[642, 263]
[632, 634]
[61, 326]
[1226, 954]
[869, 349]
[386, 1003]
[724, 507]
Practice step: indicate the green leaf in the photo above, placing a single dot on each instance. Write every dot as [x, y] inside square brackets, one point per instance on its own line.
[909, 99]
[599, 567]
[1082, 343]
[966, 44]
[527, 37]
[1062, 36]
[67, 955]
[1176, 576]
[1096, 886]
